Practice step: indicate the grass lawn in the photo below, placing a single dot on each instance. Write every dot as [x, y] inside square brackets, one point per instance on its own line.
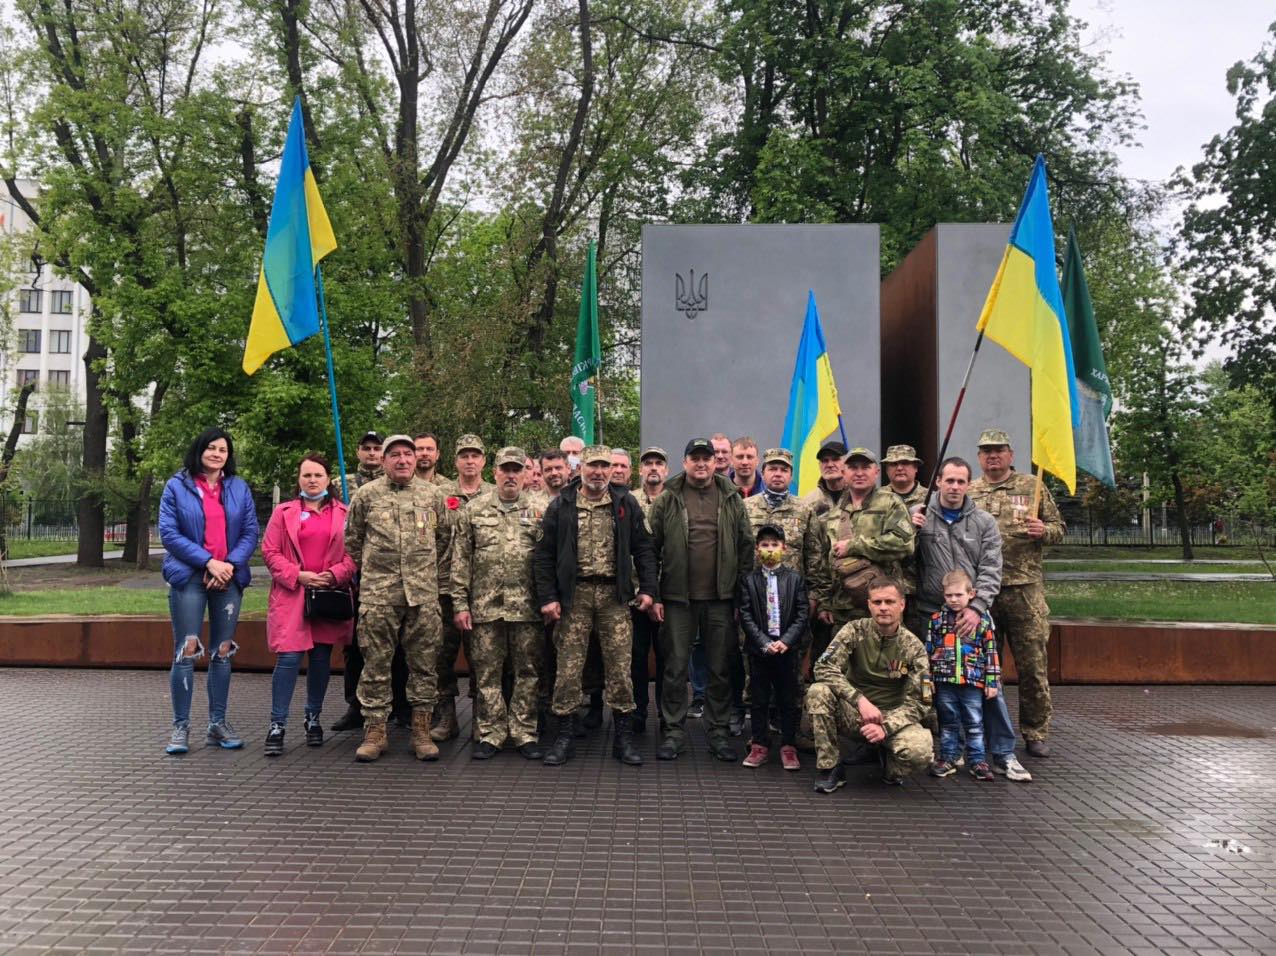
[1243, 602]
[109, 600]
[1138, 567]
[1081, 552]
[43, 549]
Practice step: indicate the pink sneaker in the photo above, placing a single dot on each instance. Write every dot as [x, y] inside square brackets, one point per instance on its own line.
[757, 756]
[789, 758]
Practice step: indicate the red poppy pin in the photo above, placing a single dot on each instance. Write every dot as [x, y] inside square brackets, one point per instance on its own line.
[453, 502]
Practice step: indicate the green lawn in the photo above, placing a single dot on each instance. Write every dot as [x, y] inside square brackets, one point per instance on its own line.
[109, 600]
[1234, 602]
[43, 549]
[1081, 552]
[1141, 567]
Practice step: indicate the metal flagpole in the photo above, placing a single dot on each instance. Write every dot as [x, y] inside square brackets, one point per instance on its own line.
[961, 395]
[332, 387]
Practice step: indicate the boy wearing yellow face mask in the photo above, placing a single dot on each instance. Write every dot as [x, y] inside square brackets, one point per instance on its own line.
[774, 614]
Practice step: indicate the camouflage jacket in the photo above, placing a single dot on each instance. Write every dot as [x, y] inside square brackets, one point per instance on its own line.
[892, 672]
[914, 499]
[801, 530]
[398, 535]
[360, 477]
[450, 488]
[819, 499]
[645, 501]
[879, 531]
[1008, 501]
[492, 558]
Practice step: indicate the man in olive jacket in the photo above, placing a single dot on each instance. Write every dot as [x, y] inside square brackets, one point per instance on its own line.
[705, 545]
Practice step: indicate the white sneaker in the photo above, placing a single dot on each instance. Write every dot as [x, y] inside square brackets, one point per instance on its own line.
[1012, 769]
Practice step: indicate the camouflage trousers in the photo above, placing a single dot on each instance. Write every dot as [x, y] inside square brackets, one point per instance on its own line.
[1022, 617]
[453, 639]
[594, 606]
[382, 628]
[521, 644]
[908, 750]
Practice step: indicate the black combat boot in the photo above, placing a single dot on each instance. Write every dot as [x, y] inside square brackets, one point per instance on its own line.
[564, 746]
[352, 719]
[622, 747]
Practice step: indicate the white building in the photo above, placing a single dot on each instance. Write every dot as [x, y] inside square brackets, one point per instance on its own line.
[49, 318]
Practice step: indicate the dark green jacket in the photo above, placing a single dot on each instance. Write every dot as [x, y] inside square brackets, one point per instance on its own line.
[668, 520]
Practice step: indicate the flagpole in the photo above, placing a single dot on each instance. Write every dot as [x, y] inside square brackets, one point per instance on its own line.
[598, 402]
[332, 387]
[961, 395]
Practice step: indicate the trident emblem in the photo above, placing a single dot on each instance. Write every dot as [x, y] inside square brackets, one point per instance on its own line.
[691, 298]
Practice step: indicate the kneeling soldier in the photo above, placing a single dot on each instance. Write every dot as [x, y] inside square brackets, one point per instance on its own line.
[493, 596]
[592, 537]
[393, 531]
[873, 683]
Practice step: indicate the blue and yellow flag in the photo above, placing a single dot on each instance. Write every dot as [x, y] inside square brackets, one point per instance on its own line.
[1024, 314]
[814, 412]
[299, 236]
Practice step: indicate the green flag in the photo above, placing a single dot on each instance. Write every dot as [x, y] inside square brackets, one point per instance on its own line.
[588, 359]
[1094, 393]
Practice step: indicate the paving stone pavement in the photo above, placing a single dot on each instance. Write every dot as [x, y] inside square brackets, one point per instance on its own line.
[108, 845]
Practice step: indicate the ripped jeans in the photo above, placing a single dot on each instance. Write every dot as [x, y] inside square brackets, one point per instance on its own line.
[186, 607]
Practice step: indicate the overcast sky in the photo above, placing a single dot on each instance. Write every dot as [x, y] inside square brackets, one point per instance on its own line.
[1179, 52]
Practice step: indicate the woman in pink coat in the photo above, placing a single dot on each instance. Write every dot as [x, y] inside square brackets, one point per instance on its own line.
[304, 547]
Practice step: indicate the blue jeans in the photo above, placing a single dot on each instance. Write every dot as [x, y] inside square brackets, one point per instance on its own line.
[186, 606]
[960, 708]
[284, 680]
[1001, 733]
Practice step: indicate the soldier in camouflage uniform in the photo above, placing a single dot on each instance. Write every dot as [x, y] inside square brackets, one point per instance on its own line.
[832, 484]
[369, 454]
[394, 530]
[1020, 612]
[471, 456]
[868, 530]
[872, 684]
[901, 463]
[495, 598]
[427, 459]
[592, 537]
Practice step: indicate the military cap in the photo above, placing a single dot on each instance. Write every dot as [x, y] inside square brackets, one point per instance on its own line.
[861, 453]
[370, 437]
[470, 443]
[835, 448]
[697, 445]
[780, 456]
[596, 453]
[511, 455]
[653, 451]
[774, 530]
[901, 453]
[399, 440]
[994, 436]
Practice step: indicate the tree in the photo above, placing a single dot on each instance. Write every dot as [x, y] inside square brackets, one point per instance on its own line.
[1228, 241]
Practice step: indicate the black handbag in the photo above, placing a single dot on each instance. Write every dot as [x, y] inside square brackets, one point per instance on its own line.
[330, 604]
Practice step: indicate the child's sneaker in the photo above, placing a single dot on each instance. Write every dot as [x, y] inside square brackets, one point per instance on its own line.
[943, 768]
[757, 756]
[789, 758]
[981, 771]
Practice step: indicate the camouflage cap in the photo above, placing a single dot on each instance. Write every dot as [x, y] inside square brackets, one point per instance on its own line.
[860, 452]
[654, 451]
[994, 436]
[596, 453]
[898, 453]
[470, 443]
[511, 455]
[779, 456]
[398, 440]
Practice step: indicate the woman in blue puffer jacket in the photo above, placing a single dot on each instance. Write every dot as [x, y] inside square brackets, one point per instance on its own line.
[208, 525]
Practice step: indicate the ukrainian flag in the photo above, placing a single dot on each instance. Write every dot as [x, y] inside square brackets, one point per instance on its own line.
[1024, 313]
[299, 236]
[814, 411]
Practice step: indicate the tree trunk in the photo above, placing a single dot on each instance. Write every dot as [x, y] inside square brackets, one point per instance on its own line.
[1185, 529]
[92, 518]
[6, 458]
[142, 521]
[128, 438]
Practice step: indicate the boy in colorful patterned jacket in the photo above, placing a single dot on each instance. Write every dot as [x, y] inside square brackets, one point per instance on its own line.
[964, 669]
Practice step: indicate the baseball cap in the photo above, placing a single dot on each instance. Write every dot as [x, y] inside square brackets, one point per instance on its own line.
[370, 437]
[780, 456]
[511, 455]
[901, 453]
[653, 451]
[596, 453]
[835, 448]
[771, 529]
[470, 443]
[398, 440]
[994, 436]
[859, 452]
[698, 446]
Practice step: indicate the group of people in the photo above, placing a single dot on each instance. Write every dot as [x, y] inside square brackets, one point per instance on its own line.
[844, 621]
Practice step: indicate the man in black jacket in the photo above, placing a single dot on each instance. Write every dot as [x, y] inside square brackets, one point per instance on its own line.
[592, 537]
